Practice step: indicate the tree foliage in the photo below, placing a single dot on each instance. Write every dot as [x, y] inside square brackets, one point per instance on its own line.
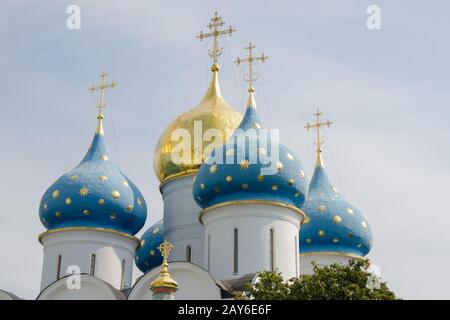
[334, 282]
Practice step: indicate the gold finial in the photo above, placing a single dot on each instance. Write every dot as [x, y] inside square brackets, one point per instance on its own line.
[215, 26]
[101, 87]
[319, 140]
[164, 280]
[252, 77]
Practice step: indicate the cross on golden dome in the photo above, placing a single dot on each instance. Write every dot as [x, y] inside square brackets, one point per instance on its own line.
[250, 59]
[101, 87]
[319, 141]
[215, 26]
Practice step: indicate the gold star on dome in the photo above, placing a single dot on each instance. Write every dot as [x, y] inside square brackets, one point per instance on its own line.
[260, 178]
[86, 212]
[104, 157]
[229, 178]
[55, 194]
[297, 194]
[261, 151]
[129, 208]
[115, 194]
[139, 201]
[291, 182]
[68, 201]
[84, 191]
[302, 174]
[45, 206]
[125, 184]
[103, 178]
[364, 225]
[244, 164]
[335, 240]
[349, 210]
[155, 231]
[306, 220]
[217, 189]
[101, 202]
[202, 185]
[274, 187]
[321, 208]
[142, 244]
[279, 166]
[113, 216]
[321, 233]
[74, 178]
[290, 156]
[245, 186]
[58, 214]
[337, 219]
[152, 253]
[213, 168]
[350, 235]
[308, 241]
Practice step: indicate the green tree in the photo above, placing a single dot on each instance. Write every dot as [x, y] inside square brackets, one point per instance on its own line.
[334, 282]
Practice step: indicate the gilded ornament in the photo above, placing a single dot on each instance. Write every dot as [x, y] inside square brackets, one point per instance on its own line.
[55, 194]
[84, 191]
[101, 201]
[245, 164]
[115, 194]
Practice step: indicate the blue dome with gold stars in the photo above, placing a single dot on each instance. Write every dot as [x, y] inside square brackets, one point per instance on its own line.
[332, 224]
[236, 171]
[148, 256]
[95, 194]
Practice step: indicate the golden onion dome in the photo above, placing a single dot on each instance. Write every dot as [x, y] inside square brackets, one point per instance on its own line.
[213, 112]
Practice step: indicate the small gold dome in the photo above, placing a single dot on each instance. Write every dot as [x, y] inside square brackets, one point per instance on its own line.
[214, 113]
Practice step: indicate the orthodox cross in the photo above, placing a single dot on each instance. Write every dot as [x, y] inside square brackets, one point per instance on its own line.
[317, 126]
[215, 26]
[165, 249]
[101, 87]
[250, 59]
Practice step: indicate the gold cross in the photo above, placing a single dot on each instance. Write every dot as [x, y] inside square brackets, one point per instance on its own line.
[250, 59]
[215, 26]
[101, 87]
[318, 125]
[165, 249]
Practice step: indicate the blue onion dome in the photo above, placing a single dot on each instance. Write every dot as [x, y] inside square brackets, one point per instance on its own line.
[147, 256]
[332, 223]
[95, 194]
[237, 171]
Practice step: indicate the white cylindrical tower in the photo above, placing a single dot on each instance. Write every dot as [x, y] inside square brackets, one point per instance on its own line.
[181, 225]
[105, 254]
[251, 236]
[91, 214]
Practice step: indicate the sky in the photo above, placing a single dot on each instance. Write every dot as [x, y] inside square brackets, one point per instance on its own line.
[387, 92]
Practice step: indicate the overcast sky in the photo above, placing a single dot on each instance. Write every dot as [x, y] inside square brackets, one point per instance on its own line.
[387, 92]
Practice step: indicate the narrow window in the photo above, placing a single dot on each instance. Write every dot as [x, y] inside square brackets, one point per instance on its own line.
[235, 251]
[296, 256]
[188, 253]
[122, 279]
[272, 264]
[58, 268]
[209, 251]
[92, 269]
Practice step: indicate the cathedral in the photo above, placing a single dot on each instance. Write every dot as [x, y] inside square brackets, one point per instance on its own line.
[233, 206]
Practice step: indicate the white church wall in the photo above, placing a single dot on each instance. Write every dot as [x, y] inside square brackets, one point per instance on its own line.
[71, 249]
[84, 287]
[323, 259]
[194, 283]
[181, 225]
[254, 223]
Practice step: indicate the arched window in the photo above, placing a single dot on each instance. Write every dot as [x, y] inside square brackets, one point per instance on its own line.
[58, 268]
[271, 248]
[188, 253]
[92, 268]
[122, 278]
[235, 250]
